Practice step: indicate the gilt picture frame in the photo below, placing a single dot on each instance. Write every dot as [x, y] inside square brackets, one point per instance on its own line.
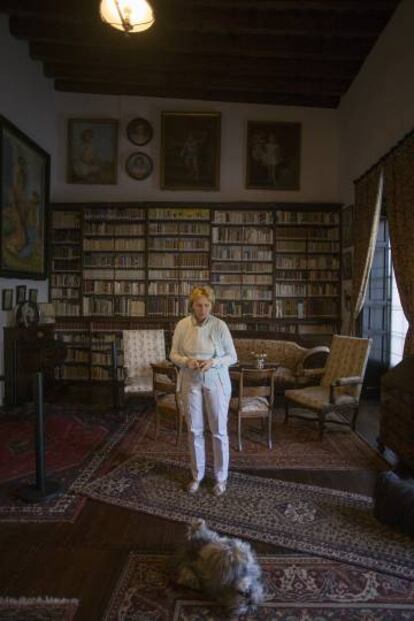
[190, 150]
[92, 156]
[24, 204]
[273, 155]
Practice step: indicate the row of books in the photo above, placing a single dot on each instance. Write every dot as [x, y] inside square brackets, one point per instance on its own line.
[177, 244]
[114, 213]
[298, 232]
[289, 216]
[239, 235]
[242, 279]
[241, 253]
[243, 217]
[112, 306]
[178, 213]
[110, 244]
[114, 229]
[179, 228]
[114, 287]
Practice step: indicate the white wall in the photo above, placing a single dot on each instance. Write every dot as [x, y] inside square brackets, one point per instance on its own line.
[378, 109]
[26, 99]
[319, 166]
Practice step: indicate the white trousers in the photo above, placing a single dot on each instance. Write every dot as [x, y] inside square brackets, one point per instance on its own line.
[205, 394]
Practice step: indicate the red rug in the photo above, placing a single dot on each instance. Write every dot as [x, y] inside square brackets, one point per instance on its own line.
[298, 588]
[296, 446]
[78, 445]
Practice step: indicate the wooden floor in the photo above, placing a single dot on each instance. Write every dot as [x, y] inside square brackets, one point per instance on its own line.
[84, 560]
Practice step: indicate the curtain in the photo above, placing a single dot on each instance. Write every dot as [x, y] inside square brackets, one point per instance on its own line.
[399, 196]
[368, 199]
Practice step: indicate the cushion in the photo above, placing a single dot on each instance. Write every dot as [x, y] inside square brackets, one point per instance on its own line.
[250, 404]
[317, 398]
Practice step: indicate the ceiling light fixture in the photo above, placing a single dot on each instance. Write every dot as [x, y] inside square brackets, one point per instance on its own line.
[127, 15]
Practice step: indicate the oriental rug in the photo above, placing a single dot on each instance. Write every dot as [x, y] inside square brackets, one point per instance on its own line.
[306, 518]
[296, 446]
[37, 609]
[298, 588]
[78, 444]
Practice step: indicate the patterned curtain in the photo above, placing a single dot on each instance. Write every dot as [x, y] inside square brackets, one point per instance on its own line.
[399, 195]
[368, 199]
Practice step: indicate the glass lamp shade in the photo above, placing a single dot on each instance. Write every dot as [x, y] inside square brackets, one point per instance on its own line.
[127, 15]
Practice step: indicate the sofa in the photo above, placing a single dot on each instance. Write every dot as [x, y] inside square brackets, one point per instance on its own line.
[299, 366]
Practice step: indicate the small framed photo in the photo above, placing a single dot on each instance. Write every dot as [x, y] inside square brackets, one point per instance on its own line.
[24, 200]
[92, 151]
[139, 131]
[273, 155]
[190, 150]
[139, 165]
[347, 265]
[347, 226]
[20, 293]
[7, 299]
[33, 295]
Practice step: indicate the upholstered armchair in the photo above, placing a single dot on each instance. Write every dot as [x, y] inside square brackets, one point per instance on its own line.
[141, 349]
[336, 397]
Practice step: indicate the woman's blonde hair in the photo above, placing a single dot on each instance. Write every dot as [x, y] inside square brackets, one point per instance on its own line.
[198, 292]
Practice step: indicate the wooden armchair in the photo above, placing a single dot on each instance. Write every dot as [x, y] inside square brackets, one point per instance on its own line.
[166, 396]
[339, 390]
[256, 390]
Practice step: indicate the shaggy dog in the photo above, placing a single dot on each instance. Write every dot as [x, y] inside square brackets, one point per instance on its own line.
[223, 568]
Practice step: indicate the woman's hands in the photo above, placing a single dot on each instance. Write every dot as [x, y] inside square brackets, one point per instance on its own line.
[200, 365]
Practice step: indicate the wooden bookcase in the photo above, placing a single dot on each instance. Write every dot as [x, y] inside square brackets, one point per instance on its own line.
[275, 269]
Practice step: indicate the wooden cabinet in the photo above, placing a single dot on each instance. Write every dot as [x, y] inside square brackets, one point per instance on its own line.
[28, 351]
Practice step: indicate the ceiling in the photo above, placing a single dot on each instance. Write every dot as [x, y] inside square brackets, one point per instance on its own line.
[282, 52]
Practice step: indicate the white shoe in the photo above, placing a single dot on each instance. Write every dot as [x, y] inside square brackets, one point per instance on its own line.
[219, 488]
[192, 487]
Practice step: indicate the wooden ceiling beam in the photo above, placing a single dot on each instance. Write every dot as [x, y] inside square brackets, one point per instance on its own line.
[56, 57]
[272, 98]
[98, 35]
[181, 79]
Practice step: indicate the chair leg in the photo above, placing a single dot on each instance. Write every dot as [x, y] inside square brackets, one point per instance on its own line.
[269, 421]
[157, 423]
[179, 428]
[239, 420]
[354, 417]
[321, 417]
[286, 411]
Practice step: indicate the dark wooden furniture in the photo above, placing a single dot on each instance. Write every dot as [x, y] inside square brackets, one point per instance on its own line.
[166, 396]
[255, 398]
[397, 411]
[27, 351]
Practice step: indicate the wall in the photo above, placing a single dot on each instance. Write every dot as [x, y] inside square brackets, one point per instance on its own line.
[26, 99]
[378, 109]
[319, 165]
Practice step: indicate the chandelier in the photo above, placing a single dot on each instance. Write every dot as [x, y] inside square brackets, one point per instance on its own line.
[127, 15]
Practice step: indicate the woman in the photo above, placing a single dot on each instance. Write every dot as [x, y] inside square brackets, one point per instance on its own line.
[203, 348]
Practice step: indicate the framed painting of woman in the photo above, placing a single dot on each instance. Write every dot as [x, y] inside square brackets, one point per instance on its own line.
[24, 199]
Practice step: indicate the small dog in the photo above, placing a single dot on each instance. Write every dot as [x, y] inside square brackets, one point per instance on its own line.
[224, 568]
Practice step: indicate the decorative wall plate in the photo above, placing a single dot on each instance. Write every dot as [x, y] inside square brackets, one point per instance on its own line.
[139, 131]
[139, 165]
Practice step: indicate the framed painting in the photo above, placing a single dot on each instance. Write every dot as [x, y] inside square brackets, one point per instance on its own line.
[21, 294]
[139, 165]
[92, 151]
[190, 150]
[139, 131]
[7, 299]
[273, 155]
[24, 200]
[347, 226]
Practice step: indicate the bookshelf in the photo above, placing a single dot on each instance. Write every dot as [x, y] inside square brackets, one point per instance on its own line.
[275, 269]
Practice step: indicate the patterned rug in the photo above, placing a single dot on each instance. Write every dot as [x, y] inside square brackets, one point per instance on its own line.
[78, 443]
[306, 518]
[37, 609]
[295, 446]
[297, 588]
